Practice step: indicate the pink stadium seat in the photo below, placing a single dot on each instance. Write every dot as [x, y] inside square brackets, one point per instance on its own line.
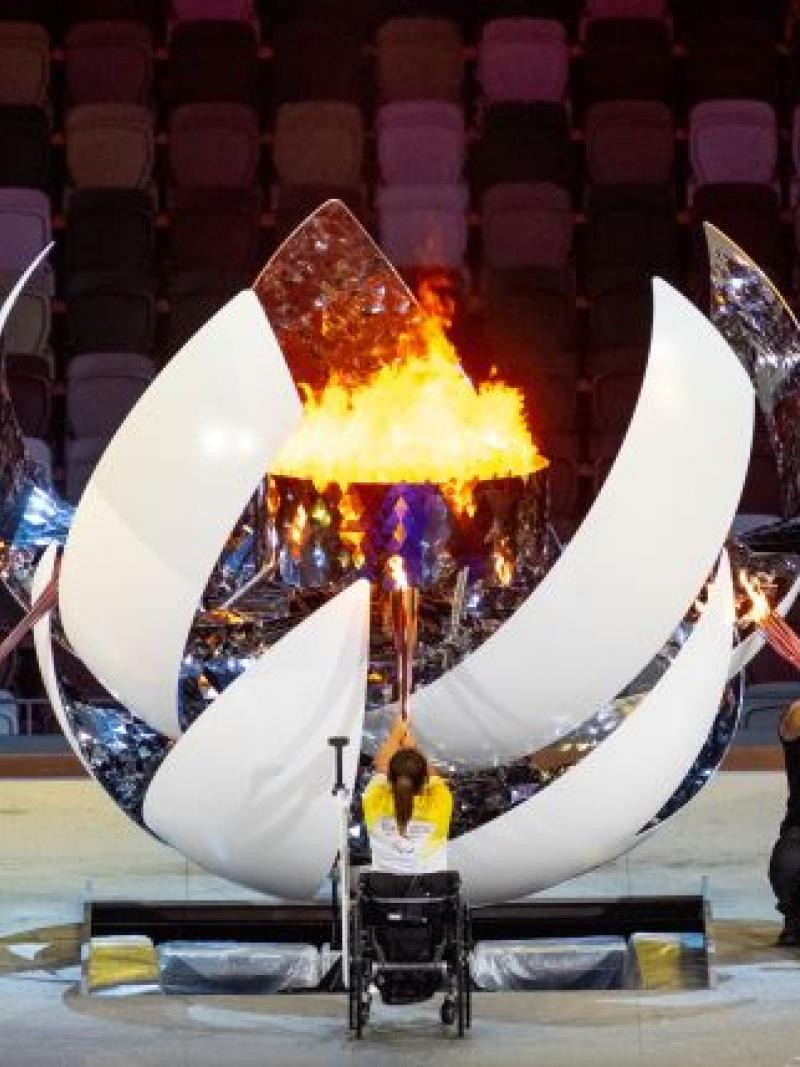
[102, 387]
[213, 144]
[109, 62]
[421, 141]
[423, 225]
[318, 142]
[81, 455]
[24, 63]
[624, 9]
[733, 141]
[219, 10]
[629, 141]
[419, 59]
[24, 225]
[527, 225]
[110, 145]
[523, 59]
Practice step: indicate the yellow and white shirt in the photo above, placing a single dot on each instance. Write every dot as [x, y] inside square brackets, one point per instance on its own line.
[423, 849]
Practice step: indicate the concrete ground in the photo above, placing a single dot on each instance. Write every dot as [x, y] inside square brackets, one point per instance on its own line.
[61, 843]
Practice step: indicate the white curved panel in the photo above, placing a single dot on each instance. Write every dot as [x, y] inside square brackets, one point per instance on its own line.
[43, 643]
[595, 810]
[11, 299]
[246, 792]
[749, 648]
[161, 502]
[632, 569]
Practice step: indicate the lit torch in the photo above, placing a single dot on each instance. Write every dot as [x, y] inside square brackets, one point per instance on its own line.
[779, 635]
[404, 601]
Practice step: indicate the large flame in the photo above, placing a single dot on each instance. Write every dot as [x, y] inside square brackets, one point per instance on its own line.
[417, 419]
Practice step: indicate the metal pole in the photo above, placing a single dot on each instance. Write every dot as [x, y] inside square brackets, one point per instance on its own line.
[341, 791]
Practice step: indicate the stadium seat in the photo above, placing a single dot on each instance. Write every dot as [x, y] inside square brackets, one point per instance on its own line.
[523, 59]
[316, 60]
[214, 144]
[733, 60]
[30, 385]
[631, 229]
[194, 296]
[620, 310]
[614, 396]
[80, 458]
[28, 327]
[39, 453]
[530, 319]
[110, 311]
[108, 62]
[318, 142]
[102, 387]
[629, 141]
[110, 145]
[733, 141]
[212, 61]
[110, 228]
[24, 146]
[526, 225]
[524, 143]
[421, 141]
[419, 59]
[25, 228]
[218, 229]
[627, 59]
[423, 225]
[24, 63]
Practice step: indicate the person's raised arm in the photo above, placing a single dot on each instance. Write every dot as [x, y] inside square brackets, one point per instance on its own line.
[399, 736]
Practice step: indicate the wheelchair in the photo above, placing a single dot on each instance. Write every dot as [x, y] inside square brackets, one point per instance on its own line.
[410, 937]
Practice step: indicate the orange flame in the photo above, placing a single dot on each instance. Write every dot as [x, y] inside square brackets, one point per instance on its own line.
[760, 609]
[297, 530]
[397, 572]
[503, 566]
[417, 419]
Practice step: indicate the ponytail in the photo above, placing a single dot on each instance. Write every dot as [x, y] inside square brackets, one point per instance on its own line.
[403, 793]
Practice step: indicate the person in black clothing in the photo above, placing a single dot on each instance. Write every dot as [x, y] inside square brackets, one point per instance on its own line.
[784, 865]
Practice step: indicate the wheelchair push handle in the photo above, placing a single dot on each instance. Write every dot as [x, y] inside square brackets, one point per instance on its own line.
[339, 744]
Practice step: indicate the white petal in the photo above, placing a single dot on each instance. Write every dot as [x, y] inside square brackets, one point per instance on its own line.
[595, 810]
[161, 502]
[631, 570]
[246, 792]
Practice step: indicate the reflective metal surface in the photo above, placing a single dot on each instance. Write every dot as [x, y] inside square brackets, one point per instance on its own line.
[333, 299]
[761, 329]
[472, 572]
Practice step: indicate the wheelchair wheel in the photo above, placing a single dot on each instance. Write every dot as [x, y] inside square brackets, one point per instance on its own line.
[358, 1011]
[447, 1012]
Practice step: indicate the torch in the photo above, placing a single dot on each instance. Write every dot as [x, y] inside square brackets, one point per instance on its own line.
[777, 632]
[404, 603]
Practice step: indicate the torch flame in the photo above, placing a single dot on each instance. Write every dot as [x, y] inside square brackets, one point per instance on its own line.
[417, 419]
[397, 572]
[760, 608]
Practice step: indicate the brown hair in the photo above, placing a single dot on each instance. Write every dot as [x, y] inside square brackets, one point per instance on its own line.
[408, 773]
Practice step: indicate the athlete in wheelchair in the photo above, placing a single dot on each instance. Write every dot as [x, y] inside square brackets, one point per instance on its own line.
[409, 934]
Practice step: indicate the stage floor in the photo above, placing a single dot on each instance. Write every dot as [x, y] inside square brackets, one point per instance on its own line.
[62, 843]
